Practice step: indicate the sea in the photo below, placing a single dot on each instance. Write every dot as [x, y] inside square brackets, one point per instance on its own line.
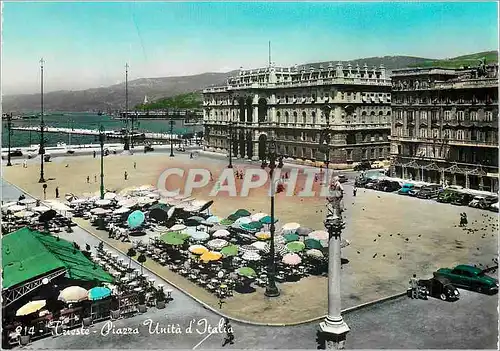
[83, 121]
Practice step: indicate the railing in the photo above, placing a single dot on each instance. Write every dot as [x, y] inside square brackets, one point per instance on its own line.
[469, 83]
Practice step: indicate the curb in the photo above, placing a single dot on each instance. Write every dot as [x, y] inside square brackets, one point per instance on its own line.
[210, 308]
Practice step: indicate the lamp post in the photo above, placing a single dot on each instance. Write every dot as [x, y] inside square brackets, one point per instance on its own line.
[271, 288]
[41, 150]
[171, 136]
[9, 129]
[325, 140]
[102, 136]
[230, 129]
[334, 329]
[126, 145]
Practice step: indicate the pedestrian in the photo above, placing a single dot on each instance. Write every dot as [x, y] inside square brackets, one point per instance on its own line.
[88, 179]
[211, 177]
[125, 175]
[354, 191]
[22, 197]
[465, 219]
[191, 155]
[94, 154]
[229, 339]
[57, 192]
[95, 178]
[135, 165]
[25, 164]
[221, 302]
[414, 287]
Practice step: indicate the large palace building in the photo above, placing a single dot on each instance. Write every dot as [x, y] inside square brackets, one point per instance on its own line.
[445, 126]
[295, 106]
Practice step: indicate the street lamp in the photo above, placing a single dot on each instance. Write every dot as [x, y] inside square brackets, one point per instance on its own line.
[102, 137]
[325, 140]
[41, 150]
[171, 136]
[126, 145]
[271, 288]
[230, 129]
[9, 128]
[334, 329]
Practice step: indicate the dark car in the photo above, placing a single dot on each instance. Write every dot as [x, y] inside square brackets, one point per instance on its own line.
[363, 166]
[441, 287]
[372, 184]
[342, 178]
[462, 199]
[469, 277]
[360, 182]
[388, 186]
[447, 196]
[429, 191]
[483, 202]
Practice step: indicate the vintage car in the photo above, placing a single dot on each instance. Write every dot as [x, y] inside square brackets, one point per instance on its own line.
[363, 166]
[388, 186]
[405, 189]
[462, 199]
[494, 207]
[342, 178]
[447, 196]
[469, 277]
[429, 191]
[441, 287]
[483, 202]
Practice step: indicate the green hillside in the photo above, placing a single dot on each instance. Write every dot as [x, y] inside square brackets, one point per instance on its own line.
[472, 60]
[182, 101]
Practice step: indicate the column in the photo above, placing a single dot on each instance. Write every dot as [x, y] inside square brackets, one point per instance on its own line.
[467, 181]
[481, 182]
[454, 182]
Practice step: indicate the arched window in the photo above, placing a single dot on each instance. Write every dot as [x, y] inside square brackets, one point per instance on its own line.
[287, 117]
[313, 117]
[363, 117]
[278, 117]
[295, 117]
[304, 117]
[372, 117]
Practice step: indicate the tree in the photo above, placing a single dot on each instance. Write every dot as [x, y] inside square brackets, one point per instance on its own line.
[141, 259]
[130, 253]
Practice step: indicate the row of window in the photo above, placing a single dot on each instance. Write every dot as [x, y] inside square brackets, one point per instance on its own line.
[448, 115]
[461, 134]
[435, 99]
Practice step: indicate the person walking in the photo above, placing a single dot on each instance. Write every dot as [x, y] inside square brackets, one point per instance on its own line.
[465, 219]
[95, 178]
[25, 164]
[125, 175]
[135, 165]
[229, 339]
[57, 192]
[88, 179]
[354, 191]
[414, 287]
[95, 154]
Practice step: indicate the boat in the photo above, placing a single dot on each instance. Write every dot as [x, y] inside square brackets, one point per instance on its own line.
[99, 113]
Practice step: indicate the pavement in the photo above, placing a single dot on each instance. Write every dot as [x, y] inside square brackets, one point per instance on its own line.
[470, 323]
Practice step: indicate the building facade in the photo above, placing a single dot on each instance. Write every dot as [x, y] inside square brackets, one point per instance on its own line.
[295, 106]
[445, 126]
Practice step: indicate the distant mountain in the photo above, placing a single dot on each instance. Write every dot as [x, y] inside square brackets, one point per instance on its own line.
[113, 97]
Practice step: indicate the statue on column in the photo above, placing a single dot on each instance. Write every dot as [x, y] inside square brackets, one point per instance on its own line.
[334, 198]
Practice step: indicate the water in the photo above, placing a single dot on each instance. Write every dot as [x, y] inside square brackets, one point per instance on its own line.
[84, 121]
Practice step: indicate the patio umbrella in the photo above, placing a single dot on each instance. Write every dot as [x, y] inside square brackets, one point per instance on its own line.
[243, 220]
[245, 226]
[78, 201]
[39, 209]
[295, 246]
[289, 228]
[27, 201]
[73, 294]
[246, 248]
[259, 245]
[198, 249]
[127, 203]
[177, 227]
[194, 221]
[143, 200]
[303, 231]
[47, 216]
[251, 256]
[174, 238]
[291, 259]
[256, 225]
[122, 210]
[221, 233]
[217, 244]
[267, 220]
[319, 235]
[258, 216]
[279, 239]
[291, 237]
[242, 213]
[279, 249]
[213, 219]
[31, 307]
[8, 204]
[160, 206]
[103, 202]
[24, 214]
[226, 222]
[211, 256]
[16, 208]
[135, 219]
[99, 293]
[233, 217]
[263, 235]
[246, 272]
[190, 230]
[315, 253]
[230, 250]
[145, 187]
[109, 196]
[56, 205]
[199, 236]
[313, 244]
[99, 211]
[158, 214]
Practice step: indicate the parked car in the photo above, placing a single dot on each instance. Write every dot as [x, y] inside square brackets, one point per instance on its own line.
[342, 178]
[462, 199]
[363, 166]
[388, 186]
[483, 202]
[446, 196]
[360, 182]
[469, 277]
[415, 190]
[494, 207]
[441, 287]
[405, 189]
[372, 184]
[429, 191]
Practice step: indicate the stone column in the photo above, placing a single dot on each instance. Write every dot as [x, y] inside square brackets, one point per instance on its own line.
[467, 181]
[481, 182]
[334, 329]
[454, 182]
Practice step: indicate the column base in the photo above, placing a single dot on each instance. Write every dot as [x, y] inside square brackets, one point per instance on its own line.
[332, 334]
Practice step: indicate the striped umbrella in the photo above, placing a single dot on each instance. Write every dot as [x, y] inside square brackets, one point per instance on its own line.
[251, 256]
[279, 249]
[217, 244]
[247, 248]
[221, 233]
[73, 294]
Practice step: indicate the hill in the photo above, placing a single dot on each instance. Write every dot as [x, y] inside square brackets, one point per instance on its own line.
[188, 101]
[113, 97]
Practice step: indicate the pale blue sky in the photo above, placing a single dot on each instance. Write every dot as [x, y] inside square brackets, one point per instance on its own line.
[87, 44]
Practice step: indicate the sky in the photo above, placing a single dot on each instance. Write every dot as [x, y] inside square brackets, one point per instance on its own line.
[87, 44]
